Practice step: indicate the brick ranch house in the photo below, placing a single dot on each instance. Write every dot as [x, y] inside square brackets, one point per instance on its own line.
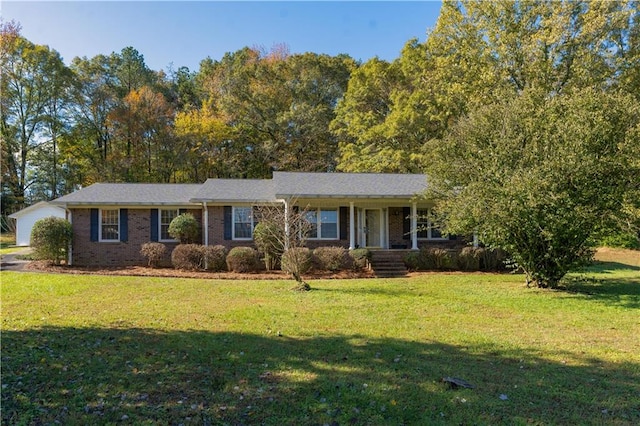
[378, 211]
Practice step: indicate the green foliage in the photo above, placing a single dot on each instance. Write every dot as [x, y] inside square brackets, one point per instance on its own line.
[51, 238]
[185, 228]
[189, 257]
[243, 259]
[266, 237]
[154, 252]
[331, 258]
[215, 258]
[361, 257]
[466, 259]
[469, 259]
[521, 173]
[620, 240]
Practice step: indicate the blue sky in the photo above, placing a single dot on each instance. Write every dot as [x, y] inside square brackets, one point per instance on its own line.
[184, 33]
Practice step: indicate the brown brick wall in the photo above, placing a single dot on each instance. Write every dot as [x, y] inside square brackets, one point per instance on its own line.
[88, 253]
[94, 253]
[396, 230]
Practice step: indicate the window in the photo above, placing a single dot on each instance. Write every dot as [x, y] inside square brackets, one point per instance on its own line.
[324, 224]
[426, 229]
[242, 223]
[166, 216]
[109, 225]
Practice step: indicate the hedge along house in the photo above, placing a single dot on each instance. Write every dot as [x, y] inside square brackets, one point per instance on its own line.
[378, 211]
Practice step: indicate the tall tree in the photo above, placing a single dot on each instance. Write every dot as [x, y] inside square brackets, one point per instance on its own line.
[33, 82]
[539, 175]
[480, 53]
[94, 98]
[279, 106]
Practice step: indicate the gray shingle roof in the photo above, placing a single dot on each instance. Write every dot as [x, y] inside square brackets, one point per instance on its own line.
[236, 190]
[356, 185]
[283, 185]
[131, 194]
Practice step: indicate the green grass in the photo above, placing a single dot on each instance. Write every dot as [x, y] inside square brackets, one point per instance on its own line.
[8, 244]
[90, 349]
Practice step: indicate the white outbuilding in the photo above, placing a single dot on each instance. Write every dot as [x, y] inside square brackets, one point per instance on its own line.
[26, 217]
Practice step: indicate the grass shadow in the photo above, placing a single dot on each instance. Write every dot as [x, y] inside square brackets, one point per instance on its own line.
[607, 282]
[108, 375]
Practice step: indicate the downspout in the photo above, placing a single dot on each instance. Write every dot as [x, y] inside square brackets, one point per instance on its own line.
[70, 251]
[286, 224]
[206, 223]
[205, 215]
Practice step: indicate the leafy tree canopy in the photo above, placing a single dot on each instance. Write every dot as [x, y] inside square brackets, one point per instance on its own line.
[538, 175]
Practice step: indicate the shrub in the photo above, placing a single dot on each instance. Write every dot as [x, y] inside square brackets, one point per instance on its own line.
[469, 259]
[50, 239]
[188, 257]
[492, 260]
[184, 228]
[265, 238]
[361, 258]
[215, 258]
[412, 260]
[296, 261]
[154, 252]
[626, 240]
[330, 258]
[242, 259]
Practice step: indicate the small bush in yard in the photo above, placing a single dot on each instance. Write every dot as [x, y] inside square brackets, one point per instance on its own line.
[296, 261]
[188, 257]
[50, 239]
[243, 259]
[154, 252]
[469, 259]
[361, 258]
[492, 260]
[184, 228]
[215, 257]
[412, 260]
[330, 258]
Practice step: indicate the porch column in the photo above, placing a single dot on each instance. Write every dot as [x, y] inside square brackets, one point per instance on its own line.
[206, 224]
[352, 226]
[286, 224]
[414, 226]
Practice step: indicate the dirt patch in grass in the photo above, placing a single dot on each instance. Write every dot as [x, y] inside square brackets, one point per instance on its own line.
[143, 271]
[624, 256]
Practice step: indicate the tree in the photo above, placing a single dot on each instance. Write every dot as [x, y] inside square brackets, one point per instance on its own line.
[367, 142]
[33, 84]
[283, 233]
[279, 107]
[539, 175]
[480, 53]
[142, 126]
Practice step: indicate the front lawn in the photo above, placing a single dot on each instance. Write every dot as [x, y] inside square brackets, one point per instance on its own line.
[8, 243]
[93, 349]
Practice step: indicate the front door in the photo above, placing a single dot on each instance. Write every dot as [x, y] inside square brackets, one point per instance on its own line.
[372, 228]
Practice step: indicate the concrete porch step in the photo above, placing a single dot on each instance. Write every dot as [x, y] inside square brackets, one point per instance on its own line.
[388, 264]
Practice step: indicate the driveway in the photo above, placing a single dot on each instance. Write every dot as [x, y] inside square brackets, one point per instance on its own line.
[8, 262]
